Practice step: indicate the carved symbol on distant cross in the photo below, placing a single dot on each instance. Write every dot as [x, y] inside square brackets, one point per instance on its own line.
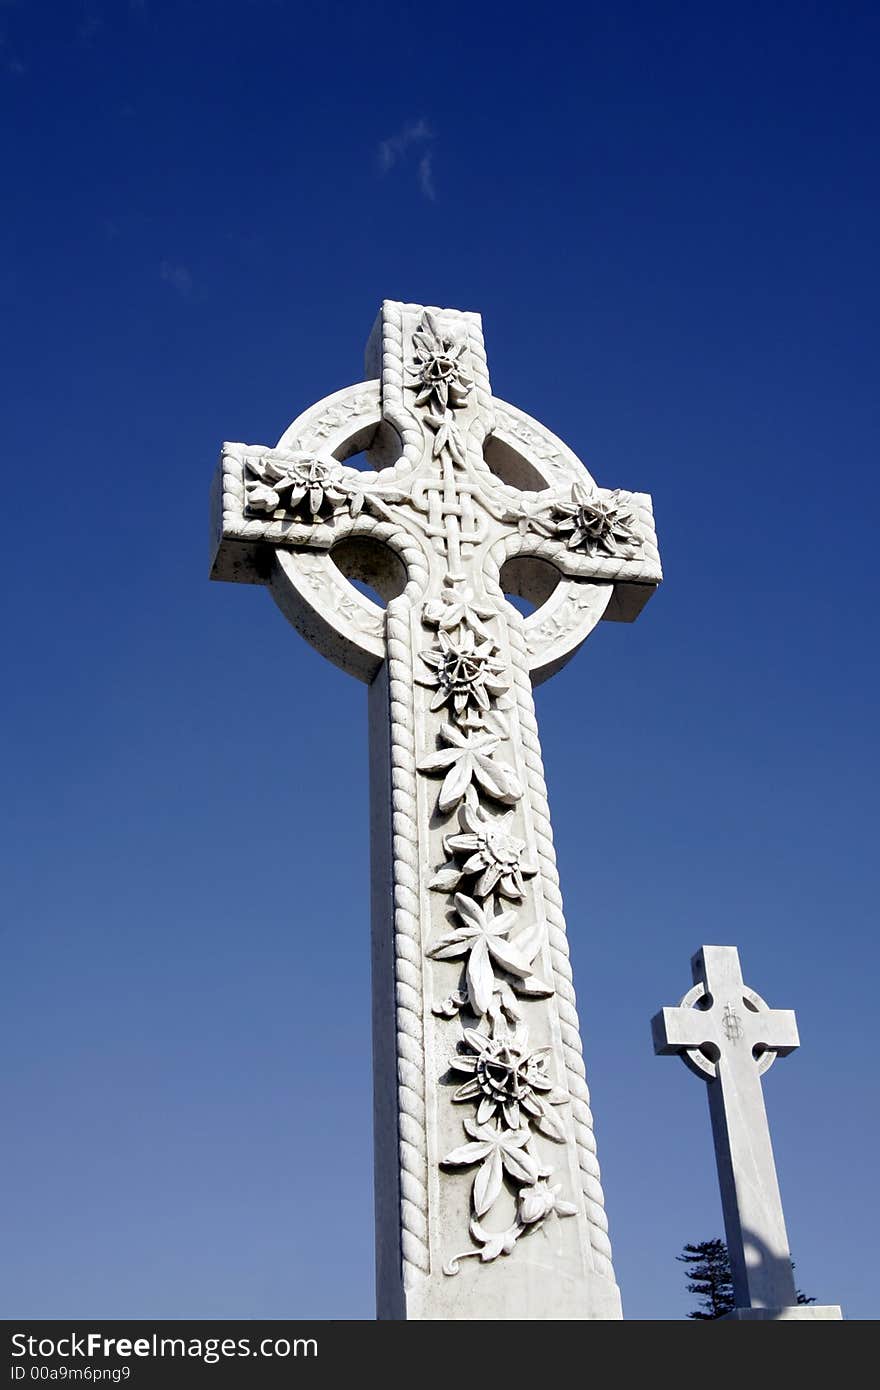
[725, 1033]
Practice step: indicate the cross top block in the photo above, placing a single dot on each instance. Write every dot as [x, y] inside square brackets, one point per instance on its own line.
[461, 487]
[721, 1016]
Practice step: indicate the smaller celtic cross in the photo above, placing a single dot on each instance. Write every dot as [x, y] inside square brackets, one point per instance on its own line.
[726, 1034]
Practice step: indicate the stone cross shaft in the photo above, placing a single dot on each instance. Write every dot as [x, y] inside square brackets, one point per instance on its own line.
[726, 1034]
[488, 1198]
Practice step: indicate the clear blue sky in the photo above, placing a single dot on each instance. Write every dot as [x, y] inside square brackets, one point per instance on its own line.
[668, 217]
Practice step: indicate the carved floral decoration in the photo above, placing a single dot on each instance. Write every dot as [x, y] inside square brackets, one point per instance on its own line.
[315, 489]
[507, 1078]
[482, 939]
[458, 607]
[491, 933]
[510, 1083]
[599, 524]
[441, 385]
[440, 378]
[490, 851]
[596, 523]
[467, 673]
[467, 762]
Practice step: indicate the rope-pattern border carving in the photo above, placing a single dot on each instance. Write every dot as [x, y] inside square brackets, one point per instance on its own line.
[394, 404]
[408, 981]
[483, 422]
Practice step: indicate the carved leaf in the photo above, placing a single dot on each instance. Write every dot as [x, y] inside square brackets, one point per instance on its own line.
[446, 879]
[480, 976]
[450, 947]
[456, 782]
[507, 957]
[470, 912]
[527, 943]
[550, 1124]
[439, 761]
[469, 1153]
[261, 498]
[494, 1244]
[487, 1184]
[499, 780]
[520, 1165]
[534, 988]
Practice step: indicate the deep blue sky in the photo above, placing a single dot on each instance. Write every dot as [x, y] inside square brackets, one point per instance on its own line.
[668, 217]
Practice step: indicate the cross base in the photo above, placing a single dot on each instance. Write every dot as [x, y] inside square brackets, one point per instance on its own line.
[828, 1312]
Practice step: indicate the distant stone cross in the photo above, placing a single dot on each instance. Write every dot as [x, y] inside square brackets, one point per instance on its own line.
[488, 1200]
[726, 1034]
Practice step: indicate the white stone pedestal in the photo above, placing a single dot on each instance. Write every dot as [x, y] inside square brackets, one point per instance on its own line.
[828, 1312]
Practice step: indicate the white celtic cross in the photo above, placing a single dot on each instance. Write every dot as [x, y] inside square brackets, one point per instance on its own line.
[488, 1200]
[726, 1034]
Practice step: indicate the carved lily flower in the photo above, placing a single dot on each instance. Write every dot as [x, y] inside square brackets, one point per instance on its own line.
[506, 1077]
[499, 858]
[440, 379]
[458, 607]
[300, 482]
[498, 1151]
[465, 672]
[539, 1200]
[483, 939]
[468, 760]
[598, 525]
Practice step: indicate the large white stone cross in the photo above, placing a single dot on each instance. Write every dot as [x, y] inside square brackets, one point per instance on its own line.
[727, 1035]
[488, 1199]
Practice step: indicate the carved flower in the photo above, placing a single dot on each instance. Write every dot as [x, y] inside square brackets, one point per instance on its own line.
[506, 1077]
[598, 525]
[465, 672]
[440, 379]
[498, 1151]
[539, 1200]
[468, 760]
[483, 939]
[300, 482]
[498, 857]
[457, 607]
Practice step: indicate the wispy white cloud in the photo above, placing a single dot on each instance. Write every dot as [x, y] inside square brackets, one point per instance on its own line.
[396, 146]
[426, 177]
[178, 276]
[409, 140]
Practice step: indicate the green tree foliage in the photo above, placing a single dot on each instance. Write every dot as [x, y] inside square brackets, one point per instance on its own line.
[710, 1279]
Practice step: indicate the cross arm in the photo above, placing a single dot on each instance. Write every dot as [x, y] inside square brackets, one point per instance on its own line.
[264, 498]
[546, 504]
[681, 1029]
[773, 1030]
